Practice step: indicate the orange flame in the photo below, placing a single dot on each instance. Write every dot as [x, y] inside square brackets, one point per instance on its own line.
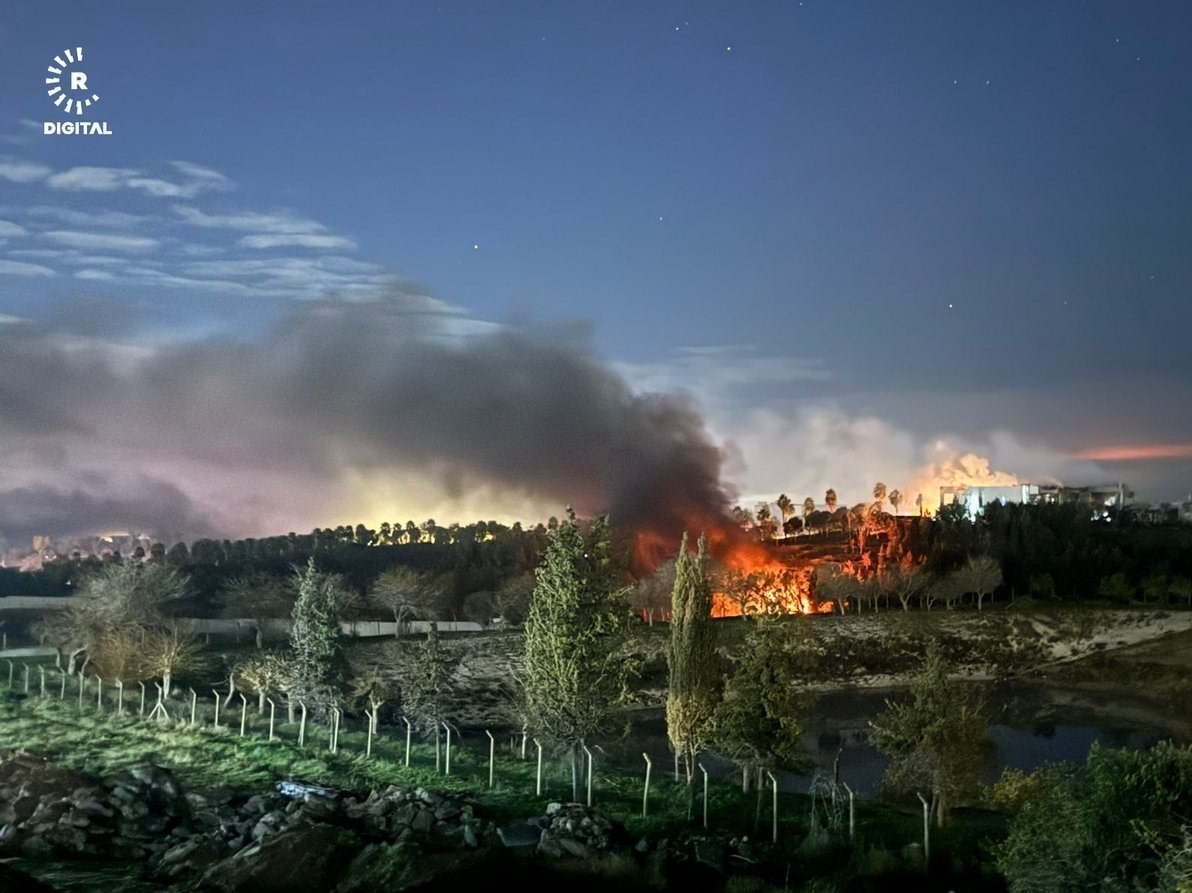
[750, 577]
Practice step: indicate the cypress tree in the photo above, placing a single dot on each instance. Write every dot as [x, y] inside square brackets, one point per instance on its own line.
[314, 638]
[694, 677]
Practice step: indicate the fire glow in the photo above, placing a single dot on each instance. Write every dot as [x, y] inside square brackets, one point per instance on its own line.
[748, 577]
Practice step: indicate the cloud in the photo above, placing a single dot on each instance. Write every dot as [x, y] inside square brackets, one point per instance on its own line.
[165, 188]
[22, 171]
[197, 173]
[718, 372]
[195, 180]
[109, 219]
[297, 240]
[17, 268]
[1137, 452]
[93, 274]
[8, 229]
[273, 222]
[91, 179]
[30, 129]
[101, 241]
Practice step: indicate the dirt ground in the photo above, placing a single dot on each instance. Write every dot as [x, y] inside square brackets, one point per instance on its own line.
[1120, 661]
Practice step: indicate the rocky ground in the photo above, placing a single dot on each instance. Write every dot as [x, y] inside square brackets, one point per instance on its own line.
[298, 838]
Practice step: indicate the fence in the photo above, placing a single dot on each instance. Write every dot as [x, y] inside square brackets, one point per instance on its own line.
[238, 715]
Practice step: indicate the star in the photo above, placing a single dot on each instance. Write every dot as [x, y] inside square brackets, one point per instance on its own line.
[728, 49]
[949, 306]
[475, 247]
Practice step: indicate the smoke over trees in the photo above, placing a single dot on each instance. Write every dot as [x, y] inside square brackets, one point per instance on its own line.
[247, 437]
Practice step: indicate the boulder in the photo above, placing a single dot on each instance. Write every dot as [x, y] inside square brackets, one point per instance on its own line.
[303, 860]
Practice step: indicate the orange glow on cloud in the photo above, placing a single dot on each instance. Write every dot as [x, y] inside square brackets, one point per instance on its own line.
[1137, 452]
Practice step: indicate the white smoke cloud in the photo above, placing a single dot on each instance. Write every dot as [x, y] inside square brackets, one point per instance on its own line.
[806, 448]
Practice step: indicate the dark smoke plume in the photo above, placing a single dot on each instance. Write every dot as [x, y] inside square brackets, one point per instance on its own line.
[233, 436]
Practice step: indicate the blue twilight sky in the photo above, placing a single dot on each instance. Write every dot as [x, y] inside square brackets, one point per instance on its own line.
[869, 238]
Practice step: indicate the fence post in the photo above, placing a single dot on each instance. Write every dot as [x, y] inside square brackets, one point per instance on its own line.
[159, 709]
[774, 782]
[82, 687]
[194, 705]
[42, 670]
[62, 693]
[142, 710]
[243, 713]
[409, 728]
[217, 699]
[368, 735]
[272, 714]
[119, 697]
[705, 771]
[99, 694]
[302, 725]
[589, 753]
[26, 666]
[492, 752]
[538, 789]
[926, 828]
[851, 813]
[10, 668]
[646, 789]
[447, 767]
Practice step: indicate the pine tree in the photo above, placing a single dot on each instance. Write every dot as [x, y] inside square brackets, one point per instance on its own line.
[694, 677]
[574, 640]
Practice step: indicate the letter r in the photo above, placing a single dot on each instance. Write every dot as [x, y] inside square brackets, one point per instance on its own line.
[78, 80]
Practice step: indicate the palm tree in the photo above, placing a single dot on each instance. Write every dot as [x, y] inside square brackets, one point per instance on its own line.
[830, 499]
[895, 499]
[786, 508]
[879, 498]
[765, 522]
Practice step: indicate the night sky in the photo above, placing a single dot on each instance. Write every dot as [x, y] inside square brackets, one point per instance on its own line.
[864, 240]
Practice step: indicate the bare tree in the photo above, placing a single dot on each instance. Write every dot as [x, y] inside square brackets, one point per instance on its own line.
[262, 675]
[121, 595]
[408, 593]
[651, 597]
[833, 583]
[512, 599]
[980, 575]
[906, 581]
[259, 597]
[168, 651]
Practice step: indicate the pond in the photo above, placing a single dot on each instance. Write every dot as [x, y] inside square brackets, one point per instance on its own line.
[1032, 725]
